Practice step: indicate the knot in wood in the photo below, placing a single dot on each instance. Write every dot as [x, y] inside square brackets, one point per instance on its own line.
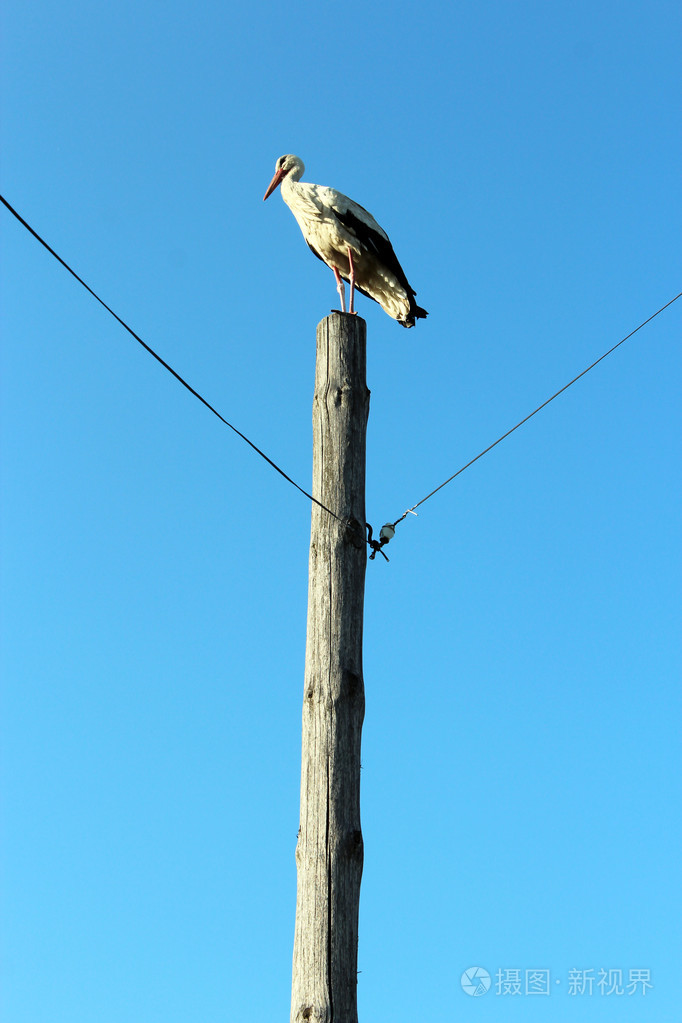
[315, 1015]
[354, 845]
[351, 683]
[342, 395]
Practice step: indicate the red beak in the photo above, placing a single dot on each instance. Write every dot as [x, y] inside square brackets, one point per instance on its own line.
[279, 174]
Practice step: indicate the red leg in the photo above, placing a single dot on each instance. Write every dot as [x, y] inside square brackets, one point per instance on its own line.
[351, 279]
[341, 290]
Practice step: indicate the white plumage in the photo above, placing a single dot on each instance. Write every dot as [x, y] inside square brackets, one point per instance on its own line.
[348, 239]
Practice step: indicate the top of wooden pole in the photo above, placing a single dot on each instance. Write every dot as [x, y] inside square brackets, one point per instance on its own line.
[349, 317]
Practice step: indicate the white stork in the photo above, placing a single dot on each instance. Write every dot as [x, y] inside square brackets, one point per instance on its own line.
[348, 239]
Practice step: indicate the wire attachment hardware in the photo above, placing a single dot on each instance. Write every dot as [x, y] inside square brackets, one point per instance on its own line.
[387, 533]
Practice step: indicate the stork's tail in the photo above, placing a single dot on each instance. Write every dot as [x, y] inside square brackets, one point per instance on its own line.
[416, 313]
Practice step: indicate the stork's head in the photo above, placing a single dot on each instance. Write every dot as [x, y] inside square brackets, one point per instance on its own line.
[288, 166]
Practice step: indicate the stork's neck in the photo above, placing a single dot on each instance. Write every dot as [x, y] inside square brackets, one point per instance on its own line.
[289, 186]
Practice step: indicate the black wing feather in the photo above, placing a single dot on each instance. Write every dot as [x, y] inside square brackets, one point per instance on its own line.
[376, 243]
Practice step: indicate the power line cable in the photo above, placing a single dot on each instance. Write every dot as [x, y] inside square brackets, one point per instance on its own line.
[412, 510]
[388, 530]
[163, 362]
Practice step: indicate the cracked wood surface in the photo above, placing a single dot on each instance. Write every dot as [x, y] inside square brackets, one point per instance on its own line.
[329, 853]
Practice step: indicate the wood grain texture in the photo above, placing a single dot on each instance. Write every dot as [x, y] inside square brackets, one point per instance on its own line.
[329, 853]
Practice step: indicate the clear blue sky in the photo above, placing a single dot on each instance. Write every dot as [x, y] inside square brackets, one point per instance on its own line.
[521, 767]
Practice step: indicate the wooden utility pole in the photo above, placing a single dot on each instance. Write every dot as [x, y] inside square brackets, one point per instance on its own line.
[329, 853]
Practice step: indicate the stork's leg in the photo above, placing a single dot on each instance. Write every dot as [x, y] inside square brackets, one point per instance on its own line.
[351, 280]
[340, 288]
